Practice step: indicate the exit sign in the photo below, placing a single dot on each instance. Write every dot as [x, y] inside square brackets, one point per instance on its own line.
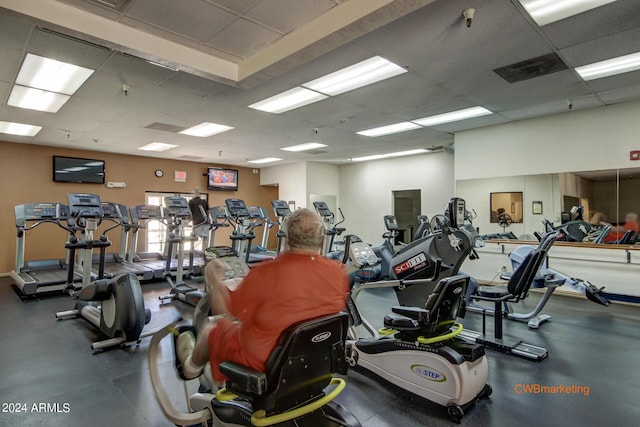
[181, 176]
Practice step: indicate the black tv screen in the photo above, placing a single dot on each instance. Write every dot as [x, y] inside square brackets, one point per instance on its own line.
[73, 169]
[222, 179]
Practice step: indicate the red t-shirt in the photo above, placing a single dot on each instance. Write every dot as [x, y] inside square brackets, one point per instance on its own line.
[275, 295]
[616, 235]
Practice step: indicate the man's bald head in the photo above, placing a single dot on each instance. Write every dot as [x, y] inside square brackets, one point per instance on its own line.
[631, 216]
[304, 231]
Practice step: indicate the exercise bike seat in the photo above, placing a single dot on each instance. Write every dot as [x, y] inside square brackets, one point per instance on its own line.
[493, 291]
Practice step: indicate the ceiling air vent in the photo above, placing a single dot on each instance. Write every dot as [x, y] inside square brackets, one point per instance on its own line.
[165, 127]
[111, 4]
[531, 68]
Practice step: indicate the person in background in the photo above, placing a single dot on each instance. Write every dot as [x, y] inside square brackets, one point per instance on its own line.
[597, 218]
[298, 285]
[199, 216]
[617, 231]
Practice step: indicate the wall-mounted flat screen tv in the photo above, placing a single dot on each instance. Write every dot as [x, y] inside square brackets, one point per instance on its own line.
[74, 169]
[223, 179]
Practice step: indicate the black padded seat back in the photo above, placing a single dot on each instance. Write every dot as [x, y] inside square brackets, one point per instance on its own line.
[445, 303]
[625, 238]
[307, 355]
[522, 278]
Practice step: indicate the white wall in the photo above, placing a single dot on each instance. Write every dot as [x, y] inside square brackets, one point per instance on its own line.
[366, 189]
[291, 181]
[323, 179]
[544, 188]
[593, 139]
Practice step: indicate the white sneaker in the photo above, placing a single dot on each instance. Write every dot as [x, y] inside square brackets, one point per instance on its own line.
[184, 349]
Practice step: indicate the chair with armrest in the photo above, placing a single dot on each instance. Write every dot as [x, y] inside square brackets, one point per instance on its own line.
[301, 366]
[433, 322]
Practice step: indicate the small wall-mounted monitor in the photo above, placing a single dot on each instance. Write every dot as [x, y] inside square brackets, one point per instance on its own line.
[74, 169]
[222, 179]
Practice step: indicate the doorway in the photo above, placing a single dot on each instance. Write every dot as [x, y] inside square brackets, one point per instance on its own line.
[407, 205]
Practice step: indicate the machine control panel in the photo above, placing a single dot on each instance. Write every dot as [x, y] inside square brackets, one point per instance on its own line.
[237, 208]
[39, 212]
[361, 254]
[177, 207]
[219, 213]
[83, 205]
[323, 210]
[280, 208]
[391, 223]
[236, 267]
[254, 212]
[146, 212]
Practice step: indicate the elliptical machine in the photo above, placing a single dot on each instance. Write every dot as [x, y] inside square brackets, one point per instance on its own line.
[114, 306]
[281, 210]
[331, 226]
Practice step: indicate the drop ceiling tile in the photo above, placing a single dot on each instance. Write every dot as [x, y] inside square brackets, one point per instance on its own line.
[622, 15]
[193, 19]
[554, 107]
[287, 15]
[14, 30]
[135, 72]
[10, 64]
[622, 94]
[236, 6]
[615, 82]
[243, 38]
[608, 47]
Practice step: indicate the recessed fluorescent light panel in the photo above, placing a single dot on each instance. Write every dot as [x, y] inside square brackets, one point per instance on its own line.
[20, 129]
[157, 146]
[547, 11]
[388, 130]
[610, 67]
[289, 100]
[51, 75]
[453, 116]
[304, 147]
[206, 129]
[265, 160]
[388, 155]
[355, 76]
[36, 99]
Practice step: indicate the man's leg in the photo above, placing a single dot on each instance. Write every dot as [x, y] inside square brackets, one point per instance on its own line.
[194, 353]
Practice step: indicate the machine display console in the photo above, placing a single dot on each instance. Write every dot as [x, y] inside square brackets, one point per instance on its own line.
[391, 223]
[322, 209]
[254, 212]
[219, 212]
[84, 205]
[39, 212]
[146, 212]
[177, 206]
[237, 208]
[236, 266]
[361, 254]
[281, 208]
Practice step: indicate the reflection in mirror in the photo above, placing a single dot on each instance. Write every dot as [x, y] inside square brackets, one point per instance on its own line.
[506, 208]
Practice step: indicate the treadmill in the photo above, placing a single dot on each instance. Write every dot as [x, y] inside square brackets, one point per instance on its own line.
[116, 263]
[140, 216]
[33, 277]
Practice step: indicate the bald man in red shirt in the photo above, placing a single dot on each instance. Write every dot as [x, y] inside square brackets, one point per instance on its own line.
[298, 285]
